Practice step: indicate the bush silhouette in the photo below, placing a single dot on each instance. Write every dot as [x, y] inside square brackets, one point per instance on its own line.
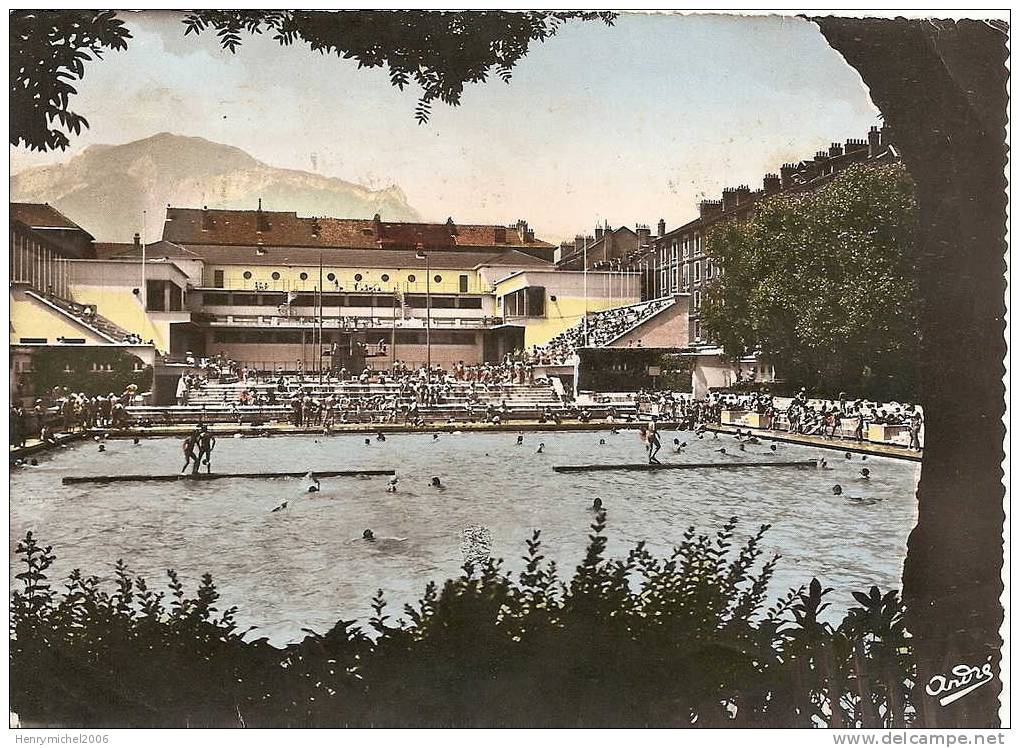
[683, 640]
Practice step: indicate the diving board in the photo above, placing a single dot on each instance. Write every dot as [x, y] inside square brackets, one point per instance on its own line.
[682, 466]
[218, 476]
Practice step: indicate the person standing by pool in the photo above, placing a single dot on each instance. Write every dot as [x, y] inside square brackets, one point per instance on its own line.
[915, 431]
[654, 445]
[188, 446]
[206, 444]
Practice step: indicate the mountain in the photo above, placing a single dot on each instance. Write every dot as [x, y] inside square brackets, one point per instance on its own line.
[105, 188]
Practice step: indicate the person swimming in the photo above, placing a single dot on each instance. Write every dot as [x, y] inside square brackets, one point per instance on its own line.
[380, 437]
[280, 507]
[722, 449]
[602, 442]
[102, 447]
[368, 442]
[312, 483]
[865, 474]
[849, 456]
[436, 483]
[435, 437]
[33, 462]
[772, 447]
[136, 441]
[541, 448]
[368, 535]
[520, 439]
[837, 490]
[597, 504]
[391, 486]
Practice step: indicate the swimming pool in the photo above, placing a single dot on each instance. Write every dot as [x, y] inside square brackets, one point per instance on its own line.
[302, 567]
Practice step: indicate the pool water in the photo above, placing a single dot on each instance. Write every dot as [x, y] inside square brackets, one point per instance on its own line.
[304, 567]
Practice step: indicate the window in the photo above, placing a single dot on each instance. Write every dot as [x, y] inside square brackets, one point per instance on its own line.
[673, 251]
[217, 279]
[697, 244]
[247, 274]
[471, 303]
[687, 247]
[357, 277]
[687, 280]
[697, 299]
[438, 279]
[697, 330]
[385, 277]
[215, 299]
[697, 272]
[463, 284]
[708, 269]
[331, 277]
[303, 276]
[275, 276]
[410, 279]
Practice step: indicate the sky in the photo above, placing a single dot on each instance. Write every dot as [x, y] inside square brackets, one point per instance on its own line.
[625, 124]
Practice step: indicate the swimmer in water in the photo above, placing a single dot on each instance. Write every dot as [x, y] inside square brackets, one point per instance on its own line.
[391, 486]
[849, 456]
[282, 506]
[541, 447]
[368, 535]
[313, 485]
[865, 474]
[837, 490]
[436, 483]
[435, 437]
[102, 447]
[723, 450]
[823, 464]
[33, 462]
[380, 437]
[520, 439]
[136, 441]
[597, 504]
[602, 442]
[772, 447]
[368, 442]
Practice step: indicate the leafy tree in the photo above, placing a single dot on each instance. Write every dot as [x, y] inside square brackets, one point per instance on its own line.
[821, 284]
[48, 50]
[439, 52]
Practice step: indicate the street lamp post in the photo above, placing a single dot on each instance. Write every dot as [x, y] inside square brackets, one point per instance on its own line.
[421, 254]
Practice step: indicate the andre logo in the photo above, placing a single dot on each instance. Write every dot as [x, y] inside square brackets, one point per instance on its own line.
[962, 680]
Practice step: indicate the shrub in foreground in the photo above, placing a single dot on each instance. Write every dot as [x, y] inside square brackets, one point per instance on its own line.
[683, 640]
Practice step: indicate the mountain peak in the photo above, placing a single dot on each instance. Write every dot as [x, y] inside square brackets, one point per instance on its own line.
[105, 188]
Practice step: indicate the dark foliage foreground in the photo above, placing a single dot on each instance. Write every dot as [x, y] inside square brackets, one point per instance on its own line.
[678, 641]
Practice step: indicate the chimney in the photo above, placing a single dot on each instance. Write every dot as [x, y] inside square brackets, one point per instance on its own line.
[743, 194]
[874, 141]
[598, 233]
[822, 162]
[643, 232]
[138, 240]
[207, 221]
[771, 184]
[786, 172]
[662, 227]
[729, 199]
[709, 209]
[835, 149]
[500, 235]
[261, 222]
[578, 242]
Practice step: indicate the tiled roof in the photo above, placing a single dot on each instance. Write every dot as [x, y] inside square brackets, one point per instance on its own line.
[464, 259]
[42, 215]
[251, 227]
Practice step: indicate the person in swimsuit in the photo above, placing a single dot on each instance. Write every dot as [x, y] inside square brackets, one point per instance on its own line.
[188, 447]
[206, 444]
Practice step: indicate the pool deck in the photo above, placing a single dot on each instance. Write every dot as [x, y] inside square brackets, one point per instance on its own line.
[838, 445]
[35, 446]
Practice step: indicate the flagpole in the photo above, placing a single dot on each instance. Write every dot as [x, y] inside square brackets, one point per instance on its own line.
[585, 290]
